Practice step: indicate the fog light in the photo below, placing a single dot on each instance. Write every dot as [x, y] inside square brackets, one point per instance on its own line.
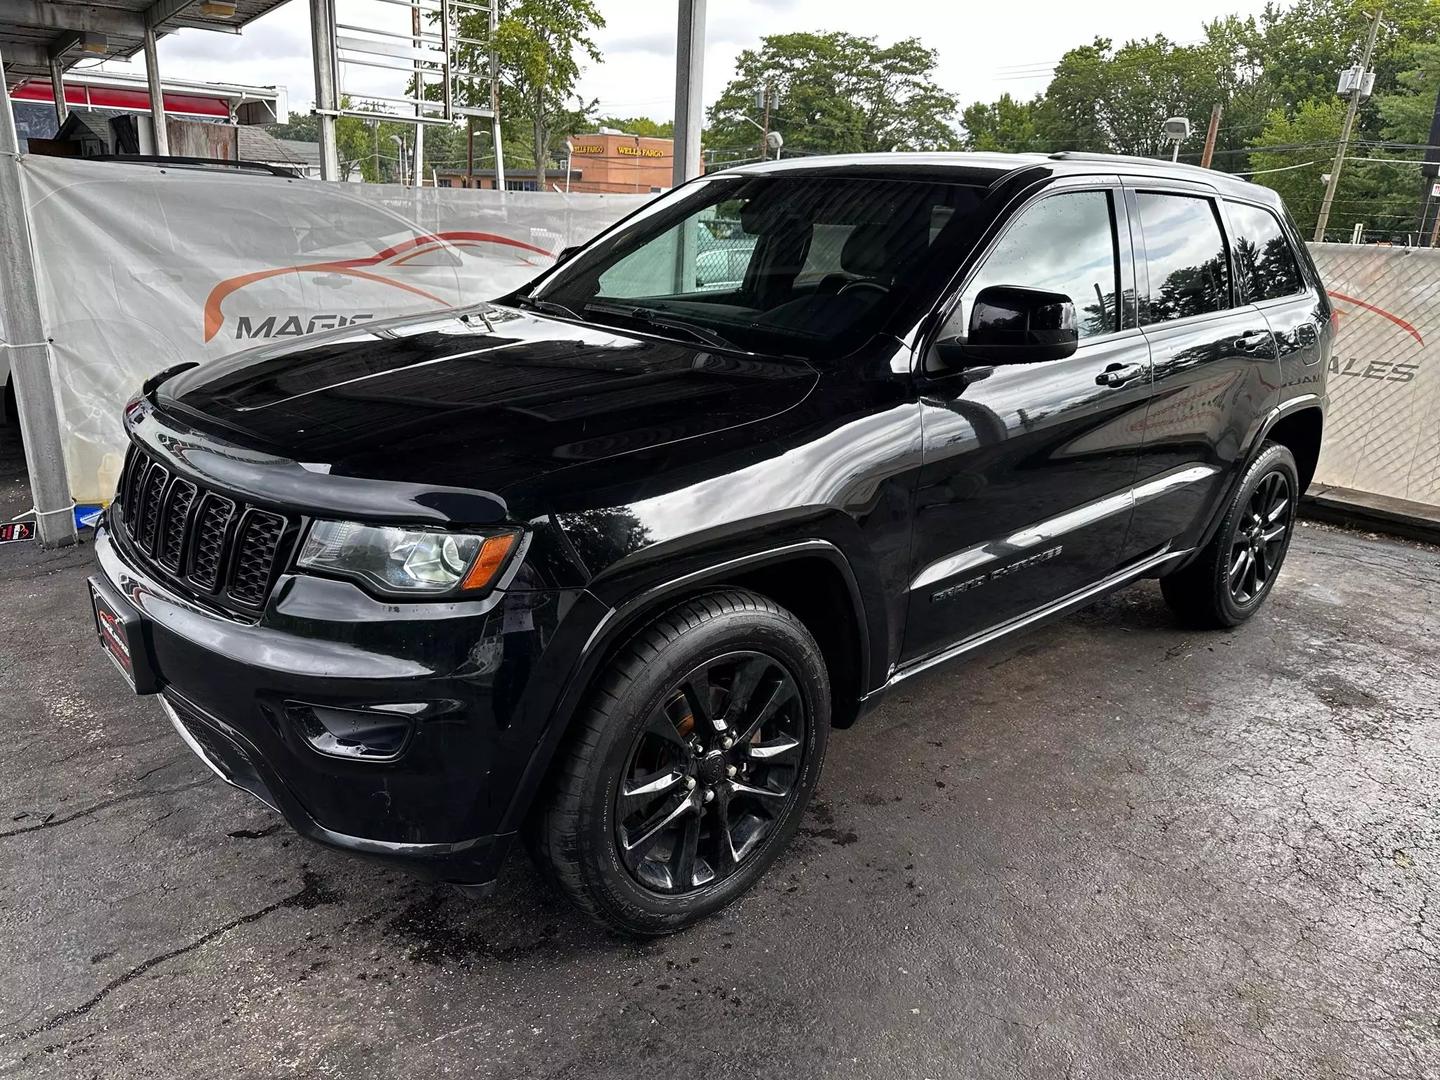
[375, 733]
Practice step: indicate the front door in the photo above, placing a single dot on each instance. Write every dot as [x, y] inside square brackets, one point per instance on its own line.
[1024, 491]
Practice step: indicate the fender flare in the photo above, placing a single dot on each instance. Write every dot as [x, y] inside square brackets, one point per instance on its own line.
[1288, 407]
[616, 622]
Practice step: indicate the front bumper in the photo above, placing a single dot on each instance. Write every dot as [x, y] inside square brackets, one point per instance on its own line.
[469, 677]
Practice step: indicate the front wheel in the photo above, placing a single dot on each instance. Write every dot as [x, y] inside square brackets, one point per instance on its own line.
[691, 768]
[1232, 575]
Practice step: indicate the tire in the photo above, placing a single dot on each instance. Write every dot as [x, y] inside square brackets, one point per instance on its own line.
[594, 839]
[1234, 573]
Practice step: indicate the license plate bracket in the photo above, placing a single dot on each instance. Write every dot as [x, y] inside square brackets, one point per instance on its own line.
[121, 630]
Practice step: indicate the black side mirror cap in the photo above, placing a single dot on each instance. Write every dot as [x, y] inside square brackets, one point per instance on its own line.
[1010, 324]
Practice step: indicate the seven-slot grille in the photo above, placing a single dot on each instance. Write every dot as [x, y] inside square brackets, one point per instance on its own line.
[204, 540]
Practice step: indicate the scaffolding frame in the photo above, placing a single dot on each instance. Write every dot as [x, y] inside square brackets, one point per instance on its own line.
[426, 55]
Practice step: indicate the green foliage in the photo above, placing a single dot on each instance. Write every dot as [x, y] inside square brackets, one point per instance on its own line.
[1313, 131]
[1007, 125]
[637, 125]
[834, 93]
[538, 46]
[1274, 74]
[362, 145]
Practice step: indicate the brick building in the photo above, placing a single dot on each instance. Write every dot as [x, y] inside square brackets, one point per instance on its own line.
[607, 161]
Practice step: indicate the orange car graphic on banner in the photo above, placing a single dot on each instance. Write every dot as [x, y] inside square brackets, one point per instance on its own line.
[370, 268]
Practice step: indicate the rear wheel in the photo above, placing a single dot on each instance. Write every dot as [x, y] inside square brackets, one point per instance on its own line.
[1231, 577]
[692, 767]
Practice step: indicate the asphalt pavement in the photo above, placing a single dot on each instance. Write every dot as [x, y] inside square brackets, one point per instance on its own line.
[1113, 848]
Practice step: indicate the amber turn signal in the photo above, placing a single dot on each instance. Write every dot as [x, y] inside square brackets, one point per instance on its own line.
[492, 557]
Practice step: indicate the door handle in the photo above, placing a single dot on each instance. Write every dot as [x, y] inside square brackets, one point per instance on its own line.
[1252, 342]
[1120, 374]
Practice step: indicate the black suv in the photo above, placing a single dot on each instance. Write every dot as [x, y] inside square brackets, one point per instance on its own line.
[602, 563]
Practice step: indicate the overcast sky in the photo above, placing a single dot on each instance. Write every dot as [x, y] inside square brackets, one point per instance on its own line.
[985, 49]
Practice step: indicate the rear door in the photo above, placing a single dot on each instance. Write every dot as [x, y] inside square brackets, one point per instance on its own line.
[1271, 278]
[1024, 492]
[1214, 361]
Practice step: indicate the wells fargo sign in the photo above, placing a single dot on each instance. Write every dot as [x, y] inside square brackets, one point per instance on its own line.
[588, 148]
[625, 150]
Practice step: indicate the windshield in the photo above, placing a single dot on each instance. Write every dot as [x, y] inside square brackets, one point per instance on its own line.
[802, 265]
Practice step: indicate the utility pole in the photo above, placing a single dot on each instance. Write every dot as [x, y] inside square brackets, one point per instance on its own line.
[1211, 133]
[765, 136]
[1355, 95]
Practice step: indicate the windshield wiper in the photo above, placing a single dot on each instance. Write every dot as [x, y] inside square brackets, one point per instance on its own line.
[650, 317]
[547, 306]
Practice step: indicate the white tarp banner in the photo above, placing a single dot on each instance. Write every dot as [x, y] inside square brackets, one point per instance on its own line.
[142, 268]
[1382, 433]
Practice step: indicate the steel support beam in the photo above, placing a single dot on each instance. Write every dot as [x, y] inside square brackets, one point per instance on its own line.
[322, 51]
[86, 17]
[160, 12]
[689, 99]
[74, 39]
[157, 95]
[28, 56]
[27, 345]
[57, 89]
[494, 21]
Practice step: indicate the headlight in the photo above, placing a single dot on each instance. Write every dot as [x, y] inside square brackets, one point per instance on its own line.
[406, 560]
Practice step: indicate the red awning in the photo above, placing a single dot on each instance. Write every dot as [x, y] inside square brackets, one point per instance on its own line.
[112, 97]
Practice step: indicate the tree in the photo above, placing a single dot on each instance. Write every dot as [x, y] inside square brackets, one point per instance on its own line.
[638, 125]
[1116, 100]
[360, 144]
[539, 46]
[835, 93]
[1292, 143]
[1008, 126]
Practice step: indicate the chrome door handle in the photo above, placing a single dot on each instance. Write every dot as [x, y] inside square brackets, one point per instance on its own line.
[1251, 342]
[1120, 374]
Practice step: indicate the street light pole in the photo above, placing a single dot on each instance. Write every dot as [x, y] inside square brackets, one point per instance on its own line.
[1330, 189]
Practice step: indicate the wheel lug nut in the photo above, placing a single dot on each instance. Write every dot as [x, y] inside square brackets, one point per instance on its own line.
[727, 742]
[709, 795]
[730, 770]
[690, 782]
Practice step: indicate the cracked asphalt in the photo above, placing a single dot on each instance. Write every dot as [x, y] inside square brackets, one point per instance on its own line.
[1112, 849]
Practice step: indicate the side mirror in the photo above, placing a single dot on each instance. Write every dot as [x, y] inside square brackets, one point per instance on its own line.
[1014, 325]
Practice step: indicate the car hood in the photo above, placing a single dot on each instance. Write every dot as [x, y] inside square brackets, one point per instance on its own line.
[487, 399]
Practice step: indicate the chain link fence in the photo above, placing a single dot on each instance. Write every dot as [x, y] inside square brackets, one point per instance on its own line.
[1383, 428]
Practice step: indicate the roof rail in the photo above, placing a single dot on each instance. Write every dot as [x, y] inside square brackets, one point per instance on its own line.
[1132, 159]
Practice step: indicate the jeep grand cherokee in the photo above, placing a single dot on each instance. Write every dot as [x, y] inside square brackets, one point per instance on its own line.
[603, 563]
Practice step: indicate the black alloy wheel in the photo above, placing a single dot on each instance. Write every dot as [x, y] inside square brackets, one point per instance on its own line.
[1228, 580]
[1260, 539]
[711, 773]
[690, 768]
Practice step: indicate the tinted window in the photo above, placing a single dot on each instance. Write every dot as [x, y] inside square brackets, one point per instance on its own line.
[1267, 261]
[1185, 253]
[796, 264]
[1064, 244]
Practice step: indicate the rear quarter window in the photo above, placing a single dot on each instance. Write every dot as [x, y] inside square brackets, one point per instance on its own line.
[1269, 268]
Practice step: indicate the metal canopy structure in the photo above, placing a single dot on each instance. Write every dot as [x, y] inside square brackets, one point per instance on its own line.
[42, 39]
[35, 32]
